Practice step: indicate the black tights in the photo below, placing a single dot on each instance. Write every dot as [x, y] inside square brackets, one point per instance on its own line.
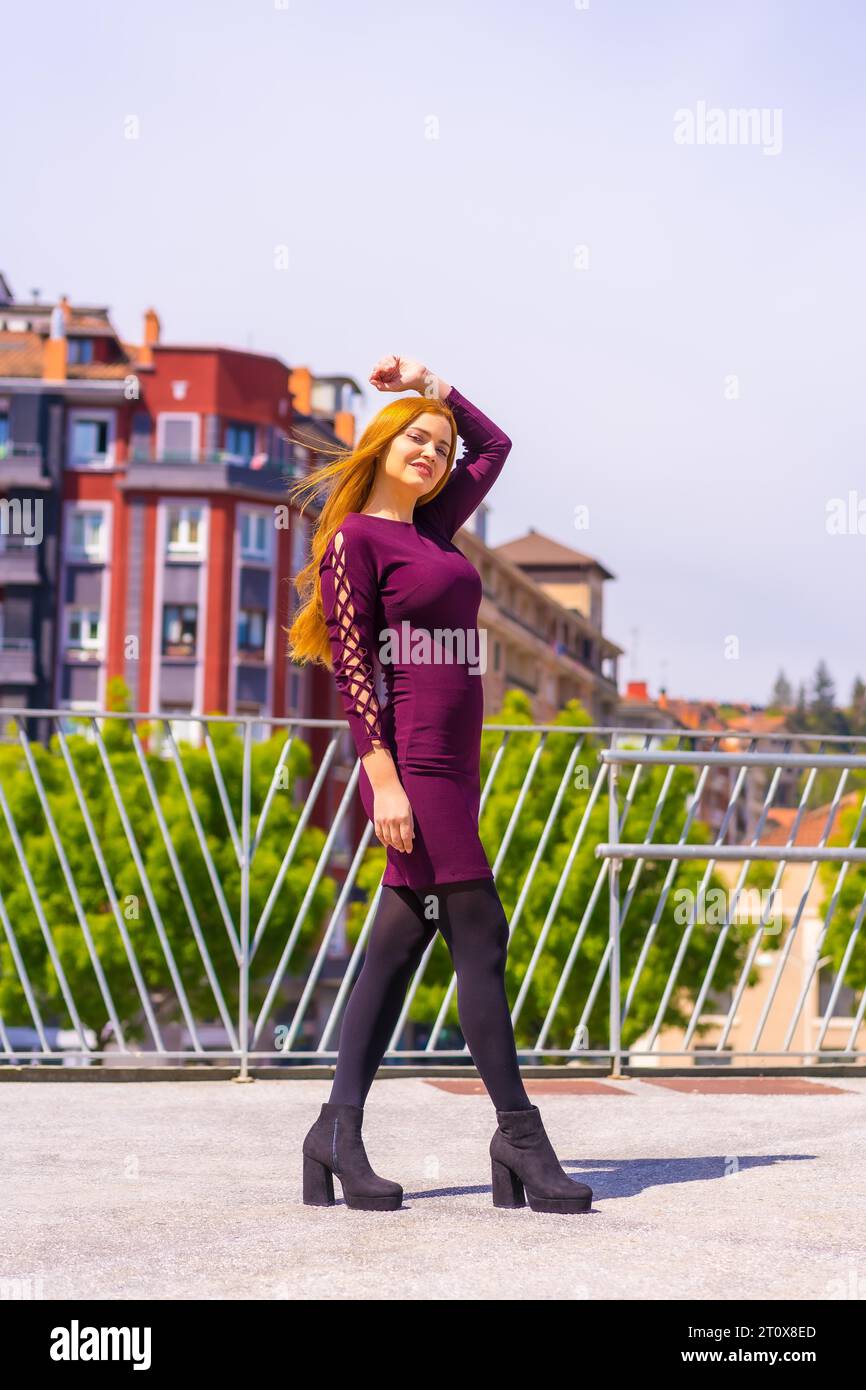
[472, 920]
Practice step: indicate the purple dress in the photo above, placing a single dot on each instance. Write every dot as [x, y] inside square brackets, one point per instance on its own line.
[417, 688]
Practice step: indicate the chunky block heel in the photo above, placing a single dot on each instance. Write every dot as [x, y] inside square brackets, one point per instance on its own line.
[507, 1187]
[334, 1148]
[318, 1183]
[526, 1169]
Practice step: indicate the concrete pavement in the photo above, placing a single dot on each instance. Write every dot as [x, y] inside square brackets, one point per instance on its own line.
[192, 1190]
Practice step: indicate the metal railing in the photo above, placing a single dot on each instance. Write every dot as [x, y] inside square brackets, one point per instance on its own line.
[214, 901]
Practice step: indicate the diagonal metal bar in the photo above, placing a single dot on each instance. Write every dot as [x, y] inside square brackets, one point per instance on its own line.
[616, 823]
[148, 890]
[666, 887]
[300, 827]
[321, 954]
[244, 980]
[69, 878]
[306, 902]
[686, 937]
[709, 974]
[43, 924]
[225, 800]
[565, 973]
[204, 953]
[528, 779]
[785, 953]
[840, 976]
[489, 784]
[21, 971]
[214, 877]
[263, 818]
[807, 981]
[108, 885]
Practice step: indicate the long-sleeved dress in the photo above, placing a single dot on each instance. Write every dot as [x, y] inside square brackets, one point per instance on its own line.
[421, 696]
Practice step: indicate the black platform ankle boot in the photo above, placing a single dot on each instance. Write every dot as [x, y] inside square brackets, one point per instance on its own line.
[523, 1157]
[334, 1146]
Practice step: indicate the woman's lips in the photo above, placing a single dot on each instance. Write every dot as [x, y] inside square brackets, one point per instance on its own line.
[422, 468]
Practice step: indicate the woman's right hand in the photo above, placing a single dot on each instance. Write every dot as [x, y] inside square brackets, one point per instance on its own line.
[392, 817]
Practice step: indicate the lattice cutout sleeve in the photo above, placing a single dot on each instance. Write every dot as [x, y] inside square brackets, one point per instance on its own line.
[349, 598]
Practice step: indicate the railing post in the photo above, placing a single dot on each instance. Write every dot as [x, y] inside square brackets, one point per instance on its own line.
[244, 981]
[615, 865]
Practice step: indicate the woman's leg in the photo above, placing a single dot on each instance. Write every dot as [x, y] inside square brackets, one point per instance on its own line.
[398, 939]
[473, 922]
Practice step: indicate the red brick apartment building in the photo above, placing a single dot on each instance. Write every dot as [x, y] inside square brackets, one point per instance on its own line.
[159, 468]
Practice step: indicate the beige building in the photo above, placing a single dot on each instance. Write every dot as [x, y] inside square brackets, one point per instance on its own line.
[543, 611]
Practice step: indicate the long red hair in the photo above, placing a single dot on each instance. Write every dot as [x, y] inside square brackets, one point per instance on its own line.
[348, 481]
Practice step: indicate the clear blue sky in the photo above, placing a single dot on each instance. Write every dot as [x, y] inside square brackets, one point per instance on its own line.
[307, 127]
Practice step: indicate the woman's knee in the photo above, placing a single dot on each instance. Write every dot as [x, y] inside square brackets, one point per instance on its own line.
[479, 930]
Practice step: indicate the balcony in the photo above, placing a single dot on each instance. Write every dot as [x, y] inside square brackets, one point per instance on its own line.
[538, 632]
[21, 466]
[219, 471]
[18, 563]
[17, 661]
[521, 684]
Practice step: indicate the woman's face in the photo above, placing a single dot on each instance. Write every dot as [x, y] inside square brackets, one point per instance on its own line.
[419, 455]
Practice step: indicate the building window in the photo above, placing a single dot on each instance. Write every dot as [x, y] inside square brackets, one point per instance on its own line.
[80, 350]
[91, 439]
[255, 536]
[284, 452]
[139, 444]
[179, 623]
[251, 630]
[497, 656]
[240, 442]
[177, 438]
[83, 629]
[87, 535]
[184, 531]
[4, 434]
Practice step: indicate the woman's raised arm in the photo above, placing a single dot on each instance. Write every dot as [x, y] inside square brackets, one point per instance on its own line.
[473, 475]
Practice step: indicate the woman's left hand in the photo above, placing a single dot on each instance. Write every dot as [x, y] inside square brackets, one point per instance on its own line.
[398, 374]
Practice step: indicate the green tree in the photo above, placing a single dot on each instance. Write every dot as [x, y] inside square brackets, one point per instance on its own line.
[147, 892]
[857, 711]
[782, 696]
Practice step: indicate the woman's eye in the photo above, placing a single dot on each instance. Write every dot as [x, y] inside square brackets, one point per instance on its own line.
[443, 452]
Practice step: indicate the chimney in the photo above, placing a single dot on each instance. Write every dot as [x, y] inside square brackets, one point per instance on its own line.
[636, 690]
[344, 427]
[152, 328]
[662, 701]
[301, 388]
[55, 354]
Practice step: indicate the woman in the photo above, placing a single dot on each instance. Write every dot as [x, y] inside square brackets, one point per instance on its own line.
[384, 563]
